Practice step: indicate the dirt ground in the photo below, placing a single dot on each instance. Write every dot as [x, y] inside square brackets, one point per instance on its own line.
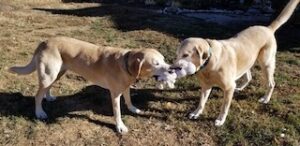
[82, 113]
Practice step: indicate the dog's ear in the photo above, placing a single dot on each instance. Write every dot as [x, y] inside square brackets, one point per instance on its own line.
[205, 55]
[136, 61]
[196, 50]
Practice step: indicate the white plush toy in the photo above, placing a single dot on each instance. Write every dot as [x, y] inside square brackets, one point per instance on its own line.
[185, 68]
[168, 78]
[181, 69]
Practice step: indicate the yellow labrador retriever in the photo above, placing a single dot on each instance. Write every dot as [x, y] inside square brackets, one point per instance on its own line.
[111, 68]
[221, 62]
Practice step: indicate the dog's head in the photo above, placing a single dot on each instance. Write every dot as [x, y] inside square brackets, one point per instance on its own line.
[147, 63]
[191, 55]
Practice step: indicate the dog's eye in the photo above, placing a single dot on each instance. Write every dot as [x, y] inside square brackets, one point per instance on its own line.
[185, 55]
[155, 62]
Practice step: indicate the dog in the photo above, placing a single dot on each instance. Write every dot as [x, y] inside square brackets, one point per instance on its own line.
[221, 62]
[112, 68]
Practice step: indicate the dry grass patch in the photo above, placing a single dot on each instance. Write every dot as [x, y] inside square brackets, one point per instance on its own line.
[82, 114]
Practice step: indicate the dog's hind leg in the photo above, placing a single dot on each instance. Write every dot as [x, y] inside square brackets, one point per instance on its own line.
[39, 112]
[47, 72]
[248, 79]
[48, 96]
[267, 59]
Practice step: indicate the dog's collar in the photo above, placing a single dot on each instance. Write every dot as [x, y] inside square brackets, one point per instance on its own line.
[126, 59]
[206, 61]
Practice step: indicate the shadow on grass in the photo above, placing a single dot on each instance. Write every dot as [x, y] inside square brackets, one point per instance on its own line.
[91, 98]
[97, 100]
[126, 18]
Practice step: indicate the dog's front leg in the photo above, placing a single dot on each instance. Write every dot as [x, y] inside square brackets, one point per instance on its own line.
[228, 94]
[203, 99]
[128, 102]
[120, 126]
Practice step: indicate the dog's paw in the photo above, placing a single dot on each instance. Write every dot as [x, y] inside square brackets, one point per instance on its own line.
[219, 123]
[50, 98]
[264, 100]
[134, 110]
[41, 115]
[193, 116]
[122, 129]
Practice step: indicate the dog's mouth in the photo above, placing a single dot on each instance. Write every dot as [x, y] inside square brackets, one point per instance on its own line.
[183, 68]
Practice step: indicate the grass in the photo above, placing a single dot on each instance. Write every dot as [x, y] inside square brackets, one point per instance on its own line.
[82, 114]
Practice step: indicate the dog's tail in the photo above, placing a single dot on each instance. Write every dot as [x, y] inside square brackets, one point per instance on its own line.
[31, 67]
[284, 15]
[24, 70]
